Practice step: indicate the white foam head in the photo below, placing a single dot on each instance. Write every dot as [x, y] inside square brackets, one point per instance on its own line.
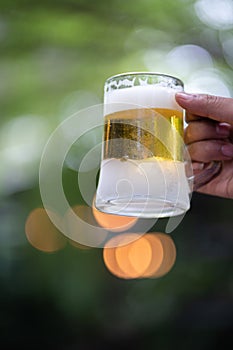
[141, 96]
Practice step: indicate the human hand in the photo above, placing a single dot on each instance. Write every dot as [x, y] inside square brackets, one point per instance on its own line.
[209, 137]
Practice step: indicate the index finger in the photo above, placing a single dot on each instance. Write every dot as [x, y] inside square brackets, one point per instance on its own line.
[210, 106]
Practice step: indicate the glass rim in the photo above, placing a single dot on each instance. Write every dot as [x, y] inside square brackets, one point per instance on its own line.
[163, 75]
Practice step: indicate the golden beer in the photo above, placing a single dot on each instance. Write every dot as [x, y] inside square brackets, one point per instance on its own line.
[135, 134]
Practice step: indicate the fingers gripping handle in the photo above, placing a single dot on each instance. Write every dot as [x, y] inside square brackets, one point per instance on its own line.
[210, 171]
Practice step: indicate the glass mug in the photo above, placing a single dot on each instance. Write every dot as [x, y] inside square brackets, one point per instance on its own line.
[145, 168]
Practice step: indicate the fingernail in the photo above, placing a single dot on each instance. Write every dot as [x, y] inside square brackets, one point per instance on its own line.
[227, 150]
[223, 130]
[184, 96]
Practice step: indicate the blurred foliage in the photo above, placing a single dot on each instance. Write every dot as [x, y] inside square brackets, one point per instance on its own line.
[52, 55]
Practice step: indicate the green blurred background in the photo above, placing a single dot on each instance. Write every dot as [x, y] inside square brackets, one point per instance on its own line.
[54, 59]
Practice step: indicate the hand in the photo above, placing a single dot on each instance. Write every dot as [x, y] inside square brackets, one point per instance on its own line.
[209, 136]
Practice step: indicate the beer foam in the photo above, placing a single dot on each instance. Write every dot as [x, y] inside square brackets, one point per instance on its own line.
[142, 96]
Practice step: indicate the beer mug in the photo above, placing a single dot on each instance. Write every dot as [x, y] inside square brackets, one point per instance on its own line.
[145, 168]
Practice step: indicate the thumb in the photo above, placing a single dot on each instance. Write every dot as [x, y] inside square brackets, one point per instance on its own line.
[214, 107]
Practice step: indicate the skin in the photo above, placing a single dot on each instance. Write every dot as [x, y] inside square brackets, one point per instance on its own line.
[209, 136]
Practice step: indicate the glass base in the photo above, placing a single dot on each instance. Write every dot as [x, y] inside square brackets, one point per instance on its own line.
[142, 207]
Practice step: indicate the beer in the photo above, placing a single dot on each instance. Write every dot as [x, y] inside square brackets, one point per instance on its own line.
[142, 169]
[136, 134]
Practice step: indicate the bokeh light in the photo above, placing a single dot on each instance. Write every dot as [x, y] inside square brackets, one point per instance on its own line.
[217, 14]
[134, 257]
[140, 255]
[157, 254]
[114, 223]
[194, 65]
[185, 59]
[209, 81]
[150, 256]
[42, 234]
[111, 263]
[226, 39]
[169, 254]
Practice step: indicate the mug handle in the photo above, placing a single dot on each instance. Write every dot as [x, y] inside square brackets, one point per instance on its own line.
[210, 171]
